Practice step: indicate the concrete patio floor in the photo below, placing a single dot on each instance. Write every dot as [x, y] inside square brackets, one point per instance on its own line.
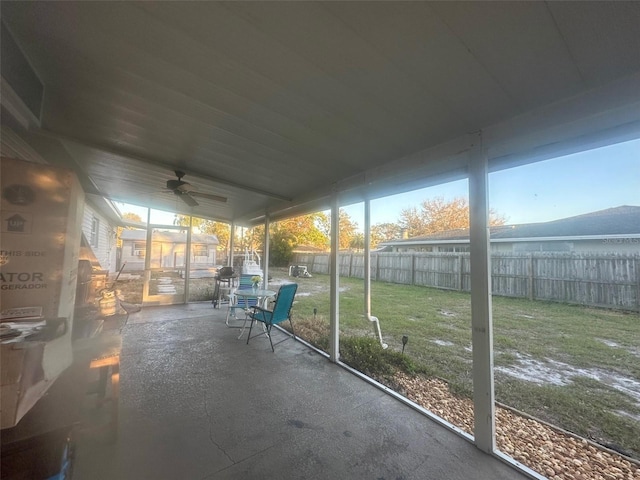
[197, 403]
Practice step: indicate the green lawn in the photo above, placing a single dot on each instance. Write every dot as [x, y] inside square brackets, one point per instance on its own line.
[575, 367]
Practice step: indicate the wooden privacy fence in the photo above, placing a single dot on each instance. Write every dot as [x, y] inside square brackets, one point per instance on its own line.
[602, 280]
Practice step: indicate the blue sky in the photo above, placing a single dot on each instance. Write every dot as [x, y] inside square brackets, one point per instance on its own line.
[558, 188]
[543, 191]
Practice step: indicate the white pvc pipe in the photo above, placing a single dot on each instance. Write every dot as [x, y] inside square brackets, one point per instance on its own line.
[367, 272]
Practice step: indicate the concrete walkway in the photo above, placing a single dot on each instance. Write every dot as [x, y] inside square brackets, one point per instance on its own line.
[197, 403]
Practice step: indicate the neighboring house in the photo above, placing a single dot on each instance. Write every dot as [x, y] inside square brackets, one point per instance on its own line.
[168, 250]
[98, 243]
[614, 230]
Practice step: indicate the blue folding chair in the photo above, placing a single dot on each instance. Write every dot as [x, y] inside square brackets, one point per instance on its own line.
[242, 306]
[281, 312]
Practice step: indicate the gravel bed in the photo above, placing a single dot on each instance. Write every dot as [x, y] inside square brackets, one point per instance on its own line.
[550, 452]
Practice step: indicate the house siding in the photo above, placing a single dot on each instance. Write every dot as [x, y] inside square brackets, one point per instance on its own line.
[166, 253]
[105, 251]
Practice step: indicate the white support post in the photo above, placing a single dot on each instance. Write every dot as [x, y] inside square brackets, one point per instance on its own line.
[481, 316]
[187, 261]
[265, 253]
[232, 237]
[334, 318]
[367, 259]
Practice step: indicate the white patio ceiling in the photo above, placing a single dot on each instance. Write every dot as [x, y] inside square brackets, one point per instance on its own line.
[279, 105]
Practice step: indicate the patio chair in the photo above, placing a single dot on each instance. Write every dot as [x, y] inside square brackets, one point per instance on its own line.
[242, 305]
[281, 312]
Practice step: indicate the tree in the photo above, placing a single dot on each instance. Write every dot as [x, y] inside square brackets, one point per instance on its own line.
[220, 230]
[347, 230]
[383, 232]
[132, 217]
[438, 215]
[307, 229]
[210, 227]
[346, 225]
[281, 245]
[357, 242]
[287, 234]
[253, 238]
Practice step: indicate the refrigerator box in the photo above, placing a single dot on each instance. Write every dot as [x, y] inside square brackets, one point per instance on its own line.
[40, 232]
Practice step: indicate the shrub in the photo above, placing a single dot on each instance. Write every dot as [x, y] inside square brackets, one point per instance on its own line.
[366, 355]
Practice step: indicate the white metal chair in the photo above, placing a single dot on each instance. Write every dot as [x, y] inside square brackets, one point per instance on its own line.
[239, 308]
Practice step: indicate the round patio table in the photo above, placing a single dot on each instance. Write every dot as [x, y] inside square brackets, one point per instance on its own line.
[247, 293]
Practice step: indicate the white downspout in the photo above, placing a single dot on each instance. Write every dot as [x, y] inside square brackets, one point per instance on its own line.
[367, 272]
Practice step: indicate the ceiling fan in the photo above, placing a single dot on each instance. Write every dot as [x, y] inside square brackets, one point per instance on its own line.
[185, 191]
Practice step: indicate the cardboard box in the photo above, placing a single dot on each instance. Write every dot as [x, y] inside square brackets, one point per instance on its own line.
[40, 235]
[28, 370]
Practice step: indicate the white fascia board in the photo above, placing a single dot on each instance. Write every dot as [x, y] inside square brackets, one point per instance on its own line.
[16, 107]
[566, 238]
[425, 242]
[514, 240]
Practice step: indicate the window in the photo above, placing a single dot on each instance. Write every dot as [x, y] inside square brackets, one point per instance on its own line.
[139, 249]
[543, 247]
[460, 249]
[95, 231]
[200, 250]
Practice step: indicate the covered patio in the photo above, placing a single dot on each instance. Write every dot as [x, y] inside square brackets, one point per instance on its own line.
[196, 402]
[275, 109]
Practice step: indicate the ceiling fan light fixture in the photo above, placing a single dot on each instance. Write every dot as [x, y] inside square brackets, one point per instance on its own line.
[184, 191]
[186, 198]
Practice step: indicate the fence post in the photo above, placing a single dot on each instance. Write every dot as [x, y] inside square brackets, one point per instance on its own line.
[460, 272]
[377, 267]
[531, 277]
[638, 283]
[413, 268]
[350, 264]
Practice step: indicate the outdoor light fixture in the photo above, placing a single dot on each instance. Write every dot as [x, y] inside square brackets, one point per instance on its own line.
[405, 339]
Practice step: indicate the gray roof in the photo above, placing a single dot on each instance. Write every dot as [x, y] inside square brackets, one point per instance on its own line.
[623, 220]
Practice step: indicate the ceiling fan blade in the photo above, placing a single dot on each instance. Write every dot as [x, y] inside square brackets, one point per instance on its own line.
[216, 198]
[186, 198]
